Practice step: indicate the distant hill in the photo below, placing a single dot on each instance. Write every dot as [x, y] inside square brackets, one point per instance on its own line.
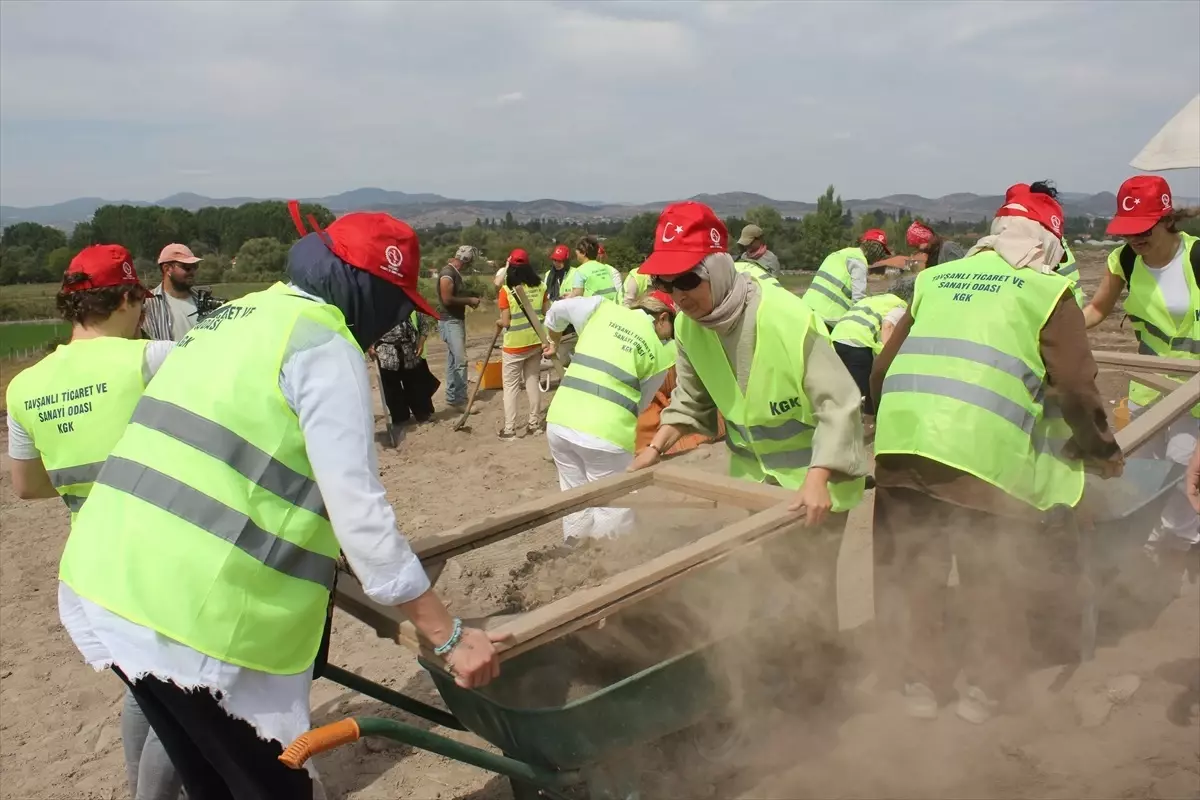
[425, 209]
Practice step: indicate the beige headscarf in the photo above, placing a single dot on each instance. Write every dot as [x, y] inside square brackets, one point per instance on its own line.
[1022, 243]
[730, 291]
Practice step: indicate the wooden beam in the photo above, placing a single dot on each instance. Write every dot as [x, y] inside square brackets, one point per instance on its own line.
[1179, 366]
[1153, 380]
[1146, 424]
[524, 516]
[721, 488]
[564, 615]
[538, 328]
[699, 503]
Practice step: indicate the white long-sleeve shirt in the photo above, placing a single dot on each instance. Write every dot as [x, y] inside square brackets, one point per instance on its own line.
[576, 311]
[324, 381]
[858, 279]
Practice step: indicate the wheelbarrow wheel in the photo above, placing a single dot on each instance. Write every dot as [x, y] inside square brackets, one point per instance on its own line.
[524, 791]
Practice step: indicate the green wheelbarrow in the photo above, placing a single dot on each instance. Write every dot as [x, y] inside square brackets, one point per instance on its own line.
[546, 751]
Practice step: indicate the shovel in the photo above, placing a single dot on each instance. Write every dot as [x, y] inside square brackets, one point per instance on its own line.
[474, 392]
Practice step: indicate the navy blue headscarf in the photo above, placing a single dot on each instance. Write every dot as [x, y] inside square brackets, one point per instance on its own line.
[371, 305]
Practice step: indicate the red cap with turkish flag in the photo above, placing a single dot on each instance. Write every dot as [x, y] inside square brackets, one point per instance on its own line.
[1041, 208]
[1141, 202]
[101, 266]
[687, 232]
[561, 253]
[876, 235]
[918, 234]
[518, 257]
[377, 243]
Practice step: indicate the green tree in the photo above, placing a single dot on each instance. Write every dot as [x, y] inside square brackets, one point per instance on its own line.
[81, 237]
[58, 260]
[263, 254]
[41, 239]
[765, 217]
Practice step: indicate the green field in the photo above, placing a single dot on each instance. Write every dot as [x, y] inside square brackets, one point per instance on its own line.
[19, 337]
[28, 301]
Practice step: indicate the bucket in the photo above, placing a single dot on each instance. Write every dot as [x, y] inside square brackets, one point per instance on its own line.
[1121, 414]
[492, 377]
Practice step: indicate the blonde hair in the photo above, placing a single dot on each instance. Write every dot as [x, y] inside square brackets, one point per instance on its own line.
[652, 306]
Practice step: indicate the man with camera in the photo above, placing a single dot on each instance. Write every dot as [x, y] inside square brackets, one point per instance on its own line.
[176, 305]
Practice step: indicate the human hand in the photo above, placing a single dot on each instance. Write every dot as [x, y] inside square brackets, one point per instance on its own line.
[500, 324]
[648, 457]
[371, 351]
[813, 497]
[474, 661]
[1193, 479]
[549, 350]
[473, 302]
[1108, 468]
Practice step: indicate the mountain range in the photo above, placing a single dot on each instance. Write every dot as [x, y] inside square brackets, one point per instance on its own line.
[426, 210]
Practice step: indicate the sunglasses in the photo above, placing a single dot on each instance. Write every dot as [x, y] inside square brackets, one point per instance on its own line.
[185, 267]
[680, 283]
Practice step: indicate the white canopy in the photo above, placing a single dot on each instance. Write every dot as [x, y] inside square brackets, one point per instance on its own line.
[1177, 145]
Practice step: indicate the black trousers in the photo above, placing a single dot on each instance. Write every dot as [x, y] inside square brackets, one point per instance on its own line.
[858, 361]
[218, 757]
[409, 392]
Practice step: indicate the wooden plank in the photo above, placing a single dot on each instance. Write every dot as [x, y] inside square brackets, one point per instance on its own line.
[1145, 425]
[527, 515]
[1179, 366]
[538, 328]
[698, 503]
[721, 488]
[1153, 380]
[667, 568]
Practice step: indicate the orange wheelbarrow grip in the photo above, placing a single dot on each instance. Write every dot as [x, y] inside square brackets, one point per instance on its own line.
[318, 740]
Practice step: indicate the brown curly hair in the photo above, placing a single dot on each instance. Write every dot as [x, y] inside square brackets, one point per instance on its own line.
[88, 306]
[589, 246]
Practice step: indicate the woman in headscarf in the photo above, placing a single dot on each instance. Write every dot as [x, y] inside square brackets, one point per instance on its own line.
[936, 249]
[965, 461]
[1159, 268]
[792, 412]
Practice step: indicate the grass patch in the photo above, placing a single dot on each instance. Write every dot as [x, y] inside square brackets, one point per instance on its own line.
[19, 337]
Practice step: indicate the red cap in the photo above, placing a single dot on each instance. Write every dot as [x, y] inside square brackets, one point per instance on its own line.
[666, 298]
[686, 233]
[104, 265]
[1141, 202]
[1041, 208]
[561, 253]
[600, 252]
[1016, 190]
[377, 243]
[918, 235]
[518, 256]
[876, 235]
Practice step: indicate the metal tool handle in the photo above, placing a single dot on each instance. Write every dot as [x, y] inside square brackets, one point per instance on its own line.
[479, 383]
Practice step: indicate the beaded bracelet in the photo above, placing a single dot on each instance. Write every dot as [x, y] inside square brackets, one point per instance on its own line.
[455, 638]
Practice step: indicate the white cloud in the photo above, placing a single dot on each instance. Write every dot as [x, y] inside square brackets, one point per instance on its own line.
[510, 97]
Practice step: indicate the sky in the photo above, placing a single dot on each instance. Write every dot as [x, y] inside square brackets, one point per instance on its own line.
[613, 101]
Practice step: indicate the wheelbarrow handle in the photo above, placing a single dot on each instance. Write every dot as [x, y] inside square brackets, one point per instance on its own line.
[319, 740]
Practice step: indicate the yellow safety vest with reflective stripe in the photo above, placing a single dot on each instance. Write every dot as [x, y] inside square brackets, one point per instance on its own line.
[967, 388]
[863, 323]
[829, 295]
[206, 524]
[601, 391]
[640, 281]
[757, 273]
[769, 427]
[520, 331]
[597, 279]
[1158, 333]
[1070, 270]
[74, 404]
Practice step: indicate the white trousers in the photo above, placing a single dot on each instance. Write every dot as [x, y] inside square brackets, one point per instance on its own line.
[1180, 525]
[579, 465]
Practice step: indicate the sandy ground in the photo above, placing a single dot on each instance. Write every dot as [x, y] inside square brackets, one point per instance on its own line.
[59, 734]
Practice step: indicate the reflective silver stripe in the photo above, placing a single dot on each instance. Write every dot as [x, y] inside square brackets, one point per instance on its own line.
[788, 459]
[1152, 329]
[523, 326]
[591, 362]
[964, 392]
[853, 317]
[603, 392]
[191, 505]
[73, 501]
[609, 290]
[84, 473]
[225, 445]
[869, 312]
[1178, 344]
[837, 298]
[788, 429]
[825, 276]
[1071, 270]
[1185, 346]
[974, 351]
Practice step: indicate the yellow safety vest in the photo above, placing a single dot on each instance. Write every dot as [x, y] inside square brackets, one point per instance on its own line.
[601, 392]
[1158, 333]
[863, 323]
[1070, 270]
[757, 273]
[829, 295]
[770, 426]
[642, 282]
[967, 388]
[206, 524]
[520, 331]
[74, 404]
[597, 279]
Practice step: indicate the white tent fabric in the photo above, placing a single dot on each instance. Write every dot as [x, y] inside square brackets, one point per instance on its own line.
[1177, 145]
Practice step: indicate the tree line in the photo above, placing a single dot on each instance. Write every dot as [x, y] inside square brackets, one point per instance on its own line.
[250, 242]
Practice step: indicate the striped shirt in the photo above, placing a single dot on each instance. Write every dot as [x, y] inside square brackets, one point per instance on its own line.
[156, 321]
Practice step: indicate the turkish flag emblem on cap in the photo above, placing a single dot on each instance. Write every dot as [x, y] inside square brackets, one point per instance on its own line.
[687, 232]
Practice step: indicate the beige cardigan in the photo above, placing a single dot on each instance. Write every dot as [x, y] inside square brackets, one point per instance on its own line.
[836, 402]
